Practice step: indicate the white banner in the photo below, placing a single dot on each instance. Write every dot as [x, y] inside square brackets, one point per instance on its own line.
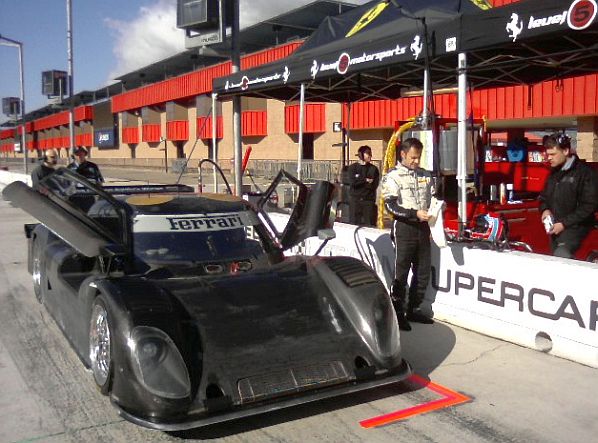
[542, 302]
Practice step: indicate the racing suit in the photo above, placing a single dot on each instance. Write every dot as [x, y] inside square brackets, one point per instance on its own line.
[571, 194]
[405, 191]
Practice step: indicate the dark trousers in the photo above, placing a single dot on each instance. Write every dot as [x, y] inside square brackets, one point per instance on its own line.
[412, 246]
[362, 212]
[568, 242]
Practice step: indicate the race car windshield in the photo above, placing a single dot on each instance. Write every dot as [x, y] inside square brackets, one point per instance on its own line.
[189, 239]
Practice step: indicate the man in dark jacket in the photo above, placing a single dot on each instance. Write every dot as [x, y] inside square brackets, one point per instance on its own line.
[363, 179]
[84, 167]
[569, 198]
[47, 167]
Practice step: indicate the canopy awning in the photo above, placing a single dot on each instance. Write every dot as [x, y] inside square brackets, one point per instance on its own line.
[522, 43]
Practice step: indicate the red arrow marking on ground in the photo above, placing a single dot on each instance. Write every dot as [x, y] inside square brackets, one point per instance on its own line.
[451, 398]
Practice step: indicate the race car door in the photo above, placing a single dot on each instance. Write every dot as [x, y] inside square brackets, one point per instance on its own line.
[69, 255]
[313, 212]
[61, 203]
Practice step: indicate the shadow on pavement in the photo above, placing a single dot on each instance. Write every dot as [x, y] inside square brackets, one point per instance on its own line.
[425, 348]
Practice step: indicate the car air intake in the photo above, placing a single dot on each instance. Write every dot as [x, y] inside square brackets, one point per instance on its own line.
[352, 272]
[291, 380]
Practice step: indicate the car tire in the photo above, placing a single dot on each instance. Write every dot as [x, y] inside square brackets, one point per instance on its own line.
[37, 271]
[100, 345]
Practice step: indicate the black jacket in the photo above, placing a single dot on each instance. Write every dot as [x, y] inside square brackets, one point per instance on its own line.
[87, 169]
[41, 171]
[359, 188]
[571, 194]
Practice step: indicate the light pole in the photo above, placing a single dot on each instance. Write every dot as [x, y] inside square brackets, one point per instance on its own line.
[236, 67]
[71, 86]
[16, 44]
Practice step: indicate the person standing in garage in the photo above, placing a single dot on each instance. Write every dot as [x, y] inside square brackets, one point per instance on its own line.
[407, 191]
[363, 180]
[569, 198]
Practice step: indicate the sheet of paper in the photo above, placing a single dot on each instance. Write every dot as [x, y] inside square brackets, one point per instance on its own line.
[436, 222]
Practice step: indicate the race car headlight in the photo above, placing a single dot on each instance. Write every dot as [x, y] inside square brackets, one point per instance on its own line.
[158, 363]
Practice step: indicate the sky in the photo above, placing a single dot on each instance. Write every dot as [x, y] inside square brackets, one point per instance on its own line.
[110, 38]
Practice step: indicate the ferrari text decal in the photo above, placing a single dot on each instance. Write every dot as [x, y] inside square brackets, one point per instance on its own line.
[190, 222]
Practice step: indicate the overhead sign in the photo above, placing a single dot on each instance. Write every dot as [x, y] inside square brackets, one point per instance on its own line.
[11, 106]
[104, 138]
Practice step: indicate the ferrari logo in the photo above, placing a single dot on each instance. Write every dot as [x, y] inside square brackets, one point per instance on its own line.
[367, 18]
[482, 4]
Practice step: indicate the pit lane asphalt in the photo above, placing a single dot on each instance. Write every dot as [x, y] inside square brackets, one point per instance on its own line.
[517, 394]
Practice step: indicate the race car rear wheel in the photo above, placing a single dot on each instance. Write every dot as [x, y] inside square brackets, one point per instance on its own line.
[36, 271]
[100, 349]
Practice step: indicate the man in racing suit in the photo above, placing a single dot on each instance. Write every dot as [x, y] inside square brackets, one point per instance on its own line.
[569, 198]
[407, 192]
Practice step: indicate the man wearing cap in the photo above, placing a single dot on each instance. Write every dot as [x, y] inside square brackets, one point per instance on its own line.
[84, 167]
[47, 167]
[363, 179]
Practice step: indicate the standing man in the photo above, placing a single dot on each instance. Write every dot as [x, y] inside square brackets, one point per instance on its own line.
[84, 167]
[47, 167]
[363, 180]
[569, 198]
[407, 192]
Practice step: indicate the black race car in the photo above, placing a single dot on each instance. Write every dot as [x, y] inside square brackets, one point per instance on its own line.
[186, 310]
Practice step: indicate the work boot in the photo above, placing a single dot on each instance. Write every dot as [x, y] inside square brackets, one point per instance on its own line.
[418, 317]
[403, 323]
[398, 302]
[401, 319]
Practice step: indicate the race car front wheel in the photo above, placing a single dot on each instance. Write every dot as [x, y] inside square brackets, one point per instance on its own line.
[100, 351]
[36, 271]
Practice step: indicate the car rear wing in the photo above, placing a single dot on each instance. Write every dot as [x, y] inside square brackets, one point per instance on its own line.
[141, 189]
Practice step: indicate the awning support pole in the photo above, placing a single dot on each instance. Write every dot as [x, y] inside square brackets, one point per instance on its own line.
[300, 141]
[214, 140]
[462, 138]
[348, 147]
[236, 66]
[425, 110]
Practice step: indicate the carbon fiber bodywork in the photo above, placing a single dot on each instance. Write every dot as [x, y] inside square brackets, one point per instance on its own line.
[253, 332]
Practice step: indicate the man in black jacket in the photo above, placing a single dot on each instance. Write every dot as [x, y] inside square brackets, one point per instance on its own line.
[363, 179]
[569, 198]
[47, 167]
[84, 167]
